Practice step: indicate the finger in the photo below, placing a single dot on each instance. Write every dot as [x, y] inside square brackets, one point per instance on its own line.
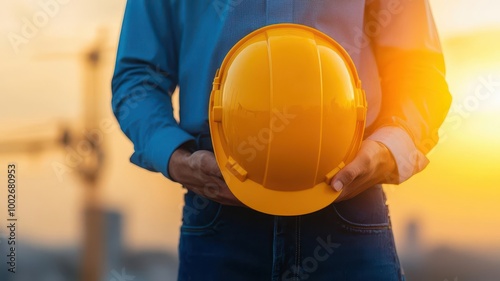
[211, 189]
[348, 174]
[357, 168]
[223, 189]
[212, 166]
[345, 177]
[226, 193]
[220, 182]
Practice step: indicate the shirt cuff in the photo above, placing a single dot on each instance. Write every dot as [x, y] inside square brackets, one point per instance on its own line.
[160, 148]
[409, 160]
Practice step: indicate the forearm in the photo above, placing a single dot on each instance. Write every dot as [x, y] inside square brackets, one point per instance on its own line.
[143, 82]
[415, 103]
[415, 95]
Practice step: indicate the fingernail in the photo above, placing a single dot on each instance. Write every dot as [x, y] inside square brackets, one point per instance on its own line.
[338, 185]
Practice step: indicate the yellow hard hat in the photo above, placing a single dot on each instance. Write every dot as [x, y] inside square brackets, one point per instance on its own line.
[286, 113]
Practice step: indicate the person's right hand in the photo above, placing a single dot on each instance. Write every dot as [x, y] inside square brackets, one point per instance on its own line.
[198, 172]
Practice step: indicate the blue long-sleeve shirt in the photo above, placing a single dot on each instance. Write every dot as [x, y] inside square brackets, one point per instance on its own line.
[170, 43]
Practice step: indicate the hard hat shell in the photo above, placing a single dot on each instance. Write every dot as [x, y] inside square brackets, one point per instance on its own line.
[286, 113]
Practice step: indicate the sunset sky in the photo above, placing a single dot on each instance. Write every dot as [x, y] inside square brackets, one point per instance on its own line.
[455, 200]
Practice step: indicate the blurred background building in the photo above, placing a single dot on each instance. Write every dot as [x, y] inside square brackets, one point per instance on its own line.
[85, 213]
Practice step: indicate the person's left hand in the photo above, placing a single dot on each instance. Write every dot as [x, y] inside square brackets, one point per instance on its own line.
[372, 165]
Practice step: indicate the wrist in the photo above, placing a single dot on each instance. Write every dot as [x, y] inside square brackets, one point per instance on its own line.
[388, 161]
[388, 157]
[179, 162]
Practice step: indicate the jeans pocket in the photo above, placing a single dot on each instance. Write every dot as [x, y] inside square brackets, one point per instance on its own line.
[365, 213]
[199, 214]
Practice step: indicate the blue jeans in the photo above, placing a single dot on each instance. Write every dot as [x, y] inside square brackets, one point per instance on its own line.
[350, 240]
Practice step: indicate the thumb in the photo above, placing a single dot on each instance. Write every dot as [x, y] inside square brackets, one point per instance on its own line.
[213, 167]
[355, 169]
[345, 176]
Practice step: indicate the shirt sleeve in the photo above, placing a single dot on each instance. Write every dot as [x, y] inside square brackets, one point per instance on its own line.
[415, 95]
[143, 82]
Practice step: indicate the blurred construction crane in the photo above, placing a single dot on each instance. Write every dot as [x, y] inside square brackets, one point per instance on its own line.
[66, 137]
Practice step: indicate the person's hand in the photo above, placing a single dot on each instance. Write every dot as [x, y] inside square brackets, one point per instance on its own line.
[198, 172]
[372, 165]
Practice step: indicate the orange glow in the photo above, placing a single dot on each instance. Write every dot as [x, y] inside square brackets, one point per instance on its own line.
[456, 197]
[454, 201]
